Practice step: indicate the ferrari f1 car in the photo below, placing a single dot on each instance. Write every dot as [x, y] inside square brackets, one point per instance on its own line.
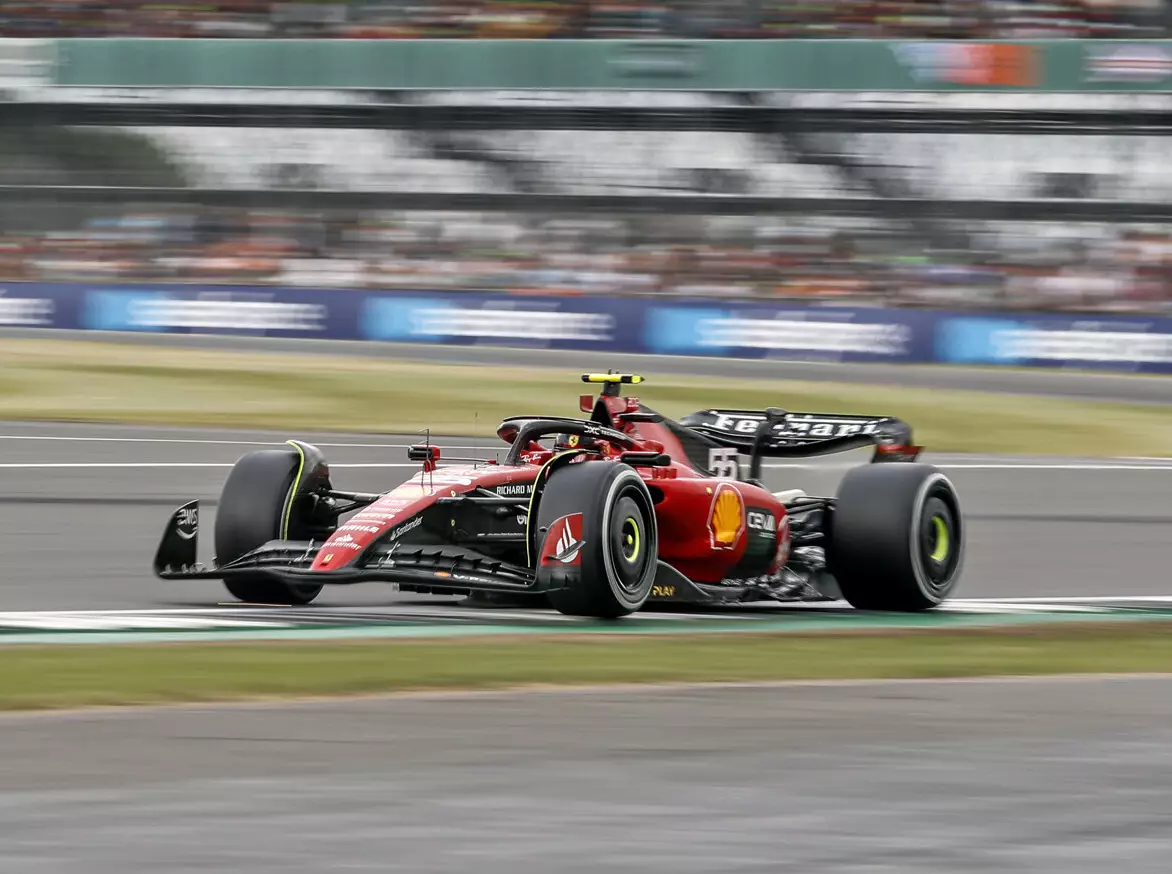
[597, 516]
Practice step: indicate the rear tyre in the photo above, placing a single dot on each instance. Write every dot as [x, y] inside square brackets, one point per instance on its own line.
[896, 538]
[251, 513]
[613, 572]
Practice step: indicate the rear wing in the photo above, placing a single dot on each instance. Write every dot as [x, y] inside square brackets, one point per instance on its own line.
[778, 433]
[740, 426]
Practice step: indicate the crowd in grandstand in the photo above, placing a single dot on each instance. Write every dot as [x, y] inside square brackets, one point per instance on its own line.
[413, 19]
[1111, 268]
[1117, 270]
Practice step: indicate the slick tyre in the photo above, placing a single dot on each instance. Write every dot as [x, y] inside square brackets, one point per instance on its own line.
[612, 516]
[251, 513]
[896, 538]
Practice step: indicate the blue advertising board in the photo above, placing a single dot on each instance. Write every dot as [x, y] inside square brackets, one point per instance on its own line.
[647, 325]
[789, 332]
[29, 305]
[470, 318]
[1115, 343]
[183, 309]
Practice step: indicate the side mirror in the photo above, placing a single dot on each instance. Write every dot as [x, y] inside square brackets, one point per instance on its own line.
[421, 452]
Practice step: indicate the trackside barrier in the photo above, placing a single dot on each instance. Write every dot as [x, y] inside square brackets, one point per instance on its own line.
[648, 325]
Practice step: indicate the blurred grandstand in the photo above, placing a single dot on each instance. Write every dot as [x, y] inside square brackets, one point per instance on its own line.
[1002, 201]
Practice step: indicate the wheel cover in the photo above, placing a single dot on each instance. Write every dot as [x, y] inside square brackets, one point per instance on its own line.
[630, 542]
[939, 545]
[942, 538]
[632, 539]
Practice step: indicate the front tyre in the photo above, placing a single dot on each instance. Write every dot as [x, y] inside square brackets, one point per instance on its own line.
[896, 538]
[257, 505]
[597, 540]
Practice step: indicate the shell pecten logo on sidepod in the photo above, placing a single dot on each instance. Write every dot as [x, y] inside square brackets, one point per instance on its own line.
[726, 519]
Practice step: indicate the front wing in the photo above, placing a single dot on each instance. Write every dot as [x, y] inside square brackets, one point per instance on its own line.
[438, 567]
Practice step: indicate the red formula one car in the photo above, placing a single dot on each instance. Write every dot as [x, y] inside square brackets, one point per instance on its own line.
[598, 517]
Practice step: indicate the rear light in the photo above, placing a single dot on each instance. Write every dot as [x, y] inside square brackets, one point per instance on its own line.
[897, 452]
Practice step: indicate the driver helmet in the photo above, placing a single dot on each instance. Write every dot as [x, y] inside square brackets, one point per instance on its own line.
[575, 441]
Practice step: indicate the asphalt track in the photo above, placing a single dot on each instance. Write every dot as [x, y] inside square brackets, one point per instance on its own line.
[1067, 776]
[82, 509]
[1070, 776]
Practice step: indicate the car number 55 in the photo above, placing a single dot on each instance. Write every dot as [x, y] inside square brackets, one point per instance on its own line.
[723, 463]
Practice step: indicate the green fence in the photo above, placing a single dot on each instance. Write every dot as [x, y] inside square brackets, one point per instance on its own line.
[753, 65]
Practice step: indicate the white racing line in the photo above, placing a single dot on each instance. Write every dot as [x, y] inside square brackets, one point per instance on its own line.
[34, 438]
[246, 616]
[1109, 464]
[72, 465]
[977, 462]
[943, 465]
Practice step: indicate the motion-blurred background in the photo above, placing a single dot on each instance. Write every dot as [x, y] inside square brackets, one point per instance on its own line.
[967, 155]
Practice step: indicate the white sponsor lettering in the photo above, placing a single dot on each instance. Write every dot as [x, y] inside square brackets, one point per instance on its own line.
[366, 529]
[344, 542]
[876, 339]
[724, 463]
[403, 529]
[508, 491]
[25, 310]
[526, 324]
[813, 426]
[440, 478]
[740, 424]
[762, 521]
[187, 522]
[241, 315]
[1079, 345]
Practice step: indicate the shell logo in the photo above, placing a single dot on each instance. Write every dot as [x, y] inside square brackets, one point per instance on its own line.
[726, 519]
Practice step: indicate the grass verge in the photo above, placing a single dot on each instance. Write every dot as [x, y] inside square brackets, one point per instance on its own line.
[135, 384]
[52, 677]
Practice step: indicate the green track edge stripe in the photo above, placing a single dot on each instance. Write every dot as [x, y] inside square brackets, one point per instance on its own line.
[292, 490]
[530, 558]
[797, 626]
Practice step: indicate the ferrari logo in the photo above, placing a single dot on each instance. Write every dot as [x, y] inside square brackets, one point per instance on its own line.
[727, 518]
[573, 440]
